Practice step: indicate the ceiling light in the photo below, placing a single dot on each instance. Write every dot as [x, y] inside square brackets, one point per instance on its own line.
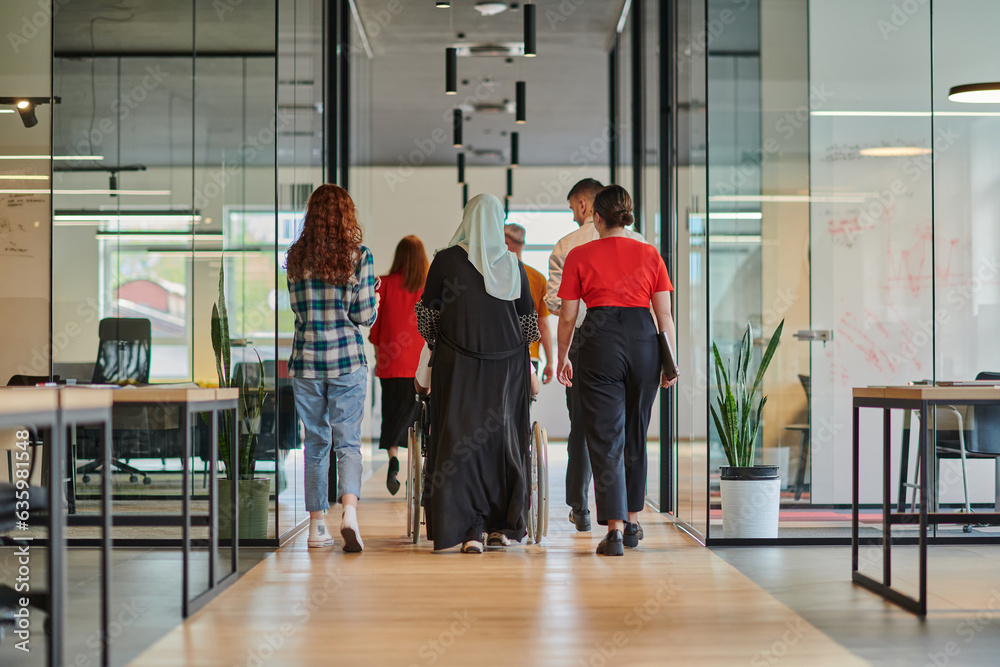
[515, 149]
[846, 198]
[25, 107]
[521, 102]
[50, 157]
[465, 194]
[510, 182]
[894, 151]
[23, 177]
[902, 114]
[461, 168]
[450, 71]
[442, 4]
[457, 128]
[490, 8]
[976, 93]
[529, 30]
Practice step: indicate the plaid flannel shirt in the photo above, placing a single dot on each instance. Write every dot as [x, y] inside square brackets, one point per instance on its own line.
[327, 340]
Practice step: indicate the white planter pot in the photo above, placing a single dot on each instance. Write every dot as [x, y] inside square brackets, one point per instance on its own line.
[750, 508]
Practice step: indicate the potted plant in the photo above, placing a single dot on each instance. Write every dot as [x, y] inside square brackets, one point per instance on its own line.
[750, 493]
[253, 493]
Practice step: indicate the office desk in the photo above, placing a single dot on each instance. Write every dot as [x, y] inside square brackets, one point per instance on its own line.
[921, 398]
[188, 403]
[39, 407]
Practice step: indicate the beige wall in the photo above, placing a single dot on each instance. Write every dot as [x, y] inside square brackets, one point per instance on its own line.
[24, 219]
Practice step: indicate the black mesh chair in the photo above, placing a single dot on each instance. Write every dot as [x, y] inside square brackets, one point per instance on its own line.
[963, 432]
[122, 358]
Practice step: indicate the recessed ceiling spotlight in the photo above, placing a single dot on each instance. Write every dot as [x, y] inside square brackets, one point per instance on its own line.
[491, 8]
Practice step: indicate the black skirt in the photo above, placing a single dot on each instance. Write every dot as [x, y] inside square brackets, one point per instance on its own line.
[399, 410]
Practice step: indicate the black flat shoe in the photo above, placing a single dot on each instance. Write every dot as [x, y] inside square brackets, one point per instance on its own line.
[580, 519]
[391, 482]
[611, 545]
[632, 535]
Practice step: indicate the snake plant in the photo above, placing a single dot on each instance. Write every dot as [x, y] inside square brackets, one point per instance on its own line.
[738, 419]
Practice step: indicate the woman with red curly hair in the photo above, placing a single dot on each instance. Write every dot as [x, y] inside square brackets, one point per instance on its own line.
[331, 282]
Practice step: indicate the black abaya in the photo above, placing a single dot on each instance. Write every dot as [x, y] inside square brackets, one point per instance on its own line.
[479, 403]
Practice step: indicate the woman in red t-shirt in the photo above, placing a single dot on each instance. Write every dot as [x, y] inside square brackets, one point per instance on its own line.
[618, 278]
[397, 348]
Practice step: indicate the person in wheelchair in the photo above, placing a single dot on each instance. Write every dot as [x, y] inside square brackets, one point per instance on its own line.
[478, 317]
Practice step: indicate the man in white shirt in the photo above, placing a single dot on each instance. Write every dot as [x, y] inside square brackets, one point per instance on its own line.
[578, 473]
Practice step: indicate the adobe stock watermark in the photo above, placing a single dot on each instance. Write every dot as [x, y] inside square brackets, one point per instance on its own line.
[432, 650]
[606, 653]
[966, 632]
[899, 15]
[37, 23]
[779, 648]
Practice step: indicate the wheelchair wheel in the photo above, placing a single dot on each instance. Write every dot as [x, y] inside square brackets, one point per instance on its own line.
[416, 466]
[411, 452]
[531, 520]
[542, 459]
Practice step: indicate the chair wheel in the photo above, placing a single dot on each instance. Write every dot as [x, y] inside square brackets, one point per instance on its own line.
[86, 479]
[966, 529]
[147, 481]
[133, 479]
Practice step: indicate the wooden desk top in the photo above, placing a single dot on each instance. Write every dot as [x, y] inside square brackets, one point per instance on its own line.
[167, 394]
[16, 401]
[84, 398]
[930, 393]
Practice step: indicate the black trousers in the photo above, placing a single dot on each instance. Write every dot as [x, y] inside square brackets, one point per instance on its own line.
[578, 459]
[619, 374]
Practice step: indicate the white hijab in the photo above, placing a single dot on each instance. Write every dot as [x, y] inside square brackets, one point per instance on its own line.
[481, 234]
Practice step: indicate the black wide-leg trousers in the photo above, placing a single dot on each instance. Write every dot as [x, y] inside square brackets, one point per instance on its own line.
[619, 374]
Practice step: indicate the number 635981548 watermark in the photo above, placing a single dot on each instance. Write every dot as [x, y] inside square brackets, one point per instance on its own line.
[22, 510]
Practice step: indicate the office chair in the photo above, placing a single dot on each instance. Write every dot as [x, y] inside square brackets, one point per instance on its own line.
[803, 429]
[122, 358]
[969, 432]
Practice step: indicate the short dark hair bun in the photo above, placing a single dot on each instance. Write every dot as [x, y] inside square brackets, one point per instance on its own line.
[614, 205]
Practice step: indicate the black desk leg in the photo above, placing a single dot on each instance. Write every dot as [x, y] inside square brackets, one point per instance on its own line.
[886, 525]
[106, 538]
[854, 494]
[925, 452]
[234, 453]
[186, 511]
[213, 503]
[57, 547]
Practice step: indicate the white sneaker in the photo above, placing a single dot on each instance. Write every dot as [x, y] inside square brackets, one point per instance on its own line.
[350, 532]
[319, 536]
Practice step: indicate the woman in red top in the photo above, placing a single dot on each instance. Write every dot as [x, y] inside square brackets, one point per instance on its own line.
[618, 279]
[397, 348]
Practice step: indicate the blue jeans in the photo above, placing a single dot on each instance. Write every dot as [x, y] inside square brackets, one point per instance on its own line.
[331, 409]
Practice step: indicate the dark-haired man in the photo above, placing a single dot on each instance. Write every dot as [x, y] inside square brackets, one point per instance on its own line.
[578, 474]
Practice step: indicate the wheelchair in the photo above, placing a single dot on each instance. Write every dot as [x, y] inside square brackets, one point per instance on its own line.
[416, 453]
[537, 507]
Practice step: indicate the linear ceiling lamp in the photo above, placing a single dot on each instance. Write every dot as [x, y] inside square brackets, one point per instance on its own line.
[521, 102]
[450, 71]
[461, 168]
[894, 151]
[976, 93]
[457, 128]
[529, 30]
[515, 149]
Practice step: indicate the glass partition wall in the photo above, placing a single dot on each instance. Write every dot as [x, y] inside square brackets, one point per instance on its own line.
[196, 148]
[822, 177]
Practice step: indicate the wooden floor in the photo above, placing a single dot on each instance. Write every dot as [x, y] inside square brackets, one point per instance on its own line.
[555, 604]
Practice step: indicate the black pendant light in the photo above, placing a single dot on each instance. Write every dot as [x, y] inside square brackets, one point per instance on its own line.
[443, 4]
[521, 102]
[510, 182]
[506, 207]
[465, 194]
[457, 128]
[450, 71]
[515, 149]
[529, 30]
[461, 168]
